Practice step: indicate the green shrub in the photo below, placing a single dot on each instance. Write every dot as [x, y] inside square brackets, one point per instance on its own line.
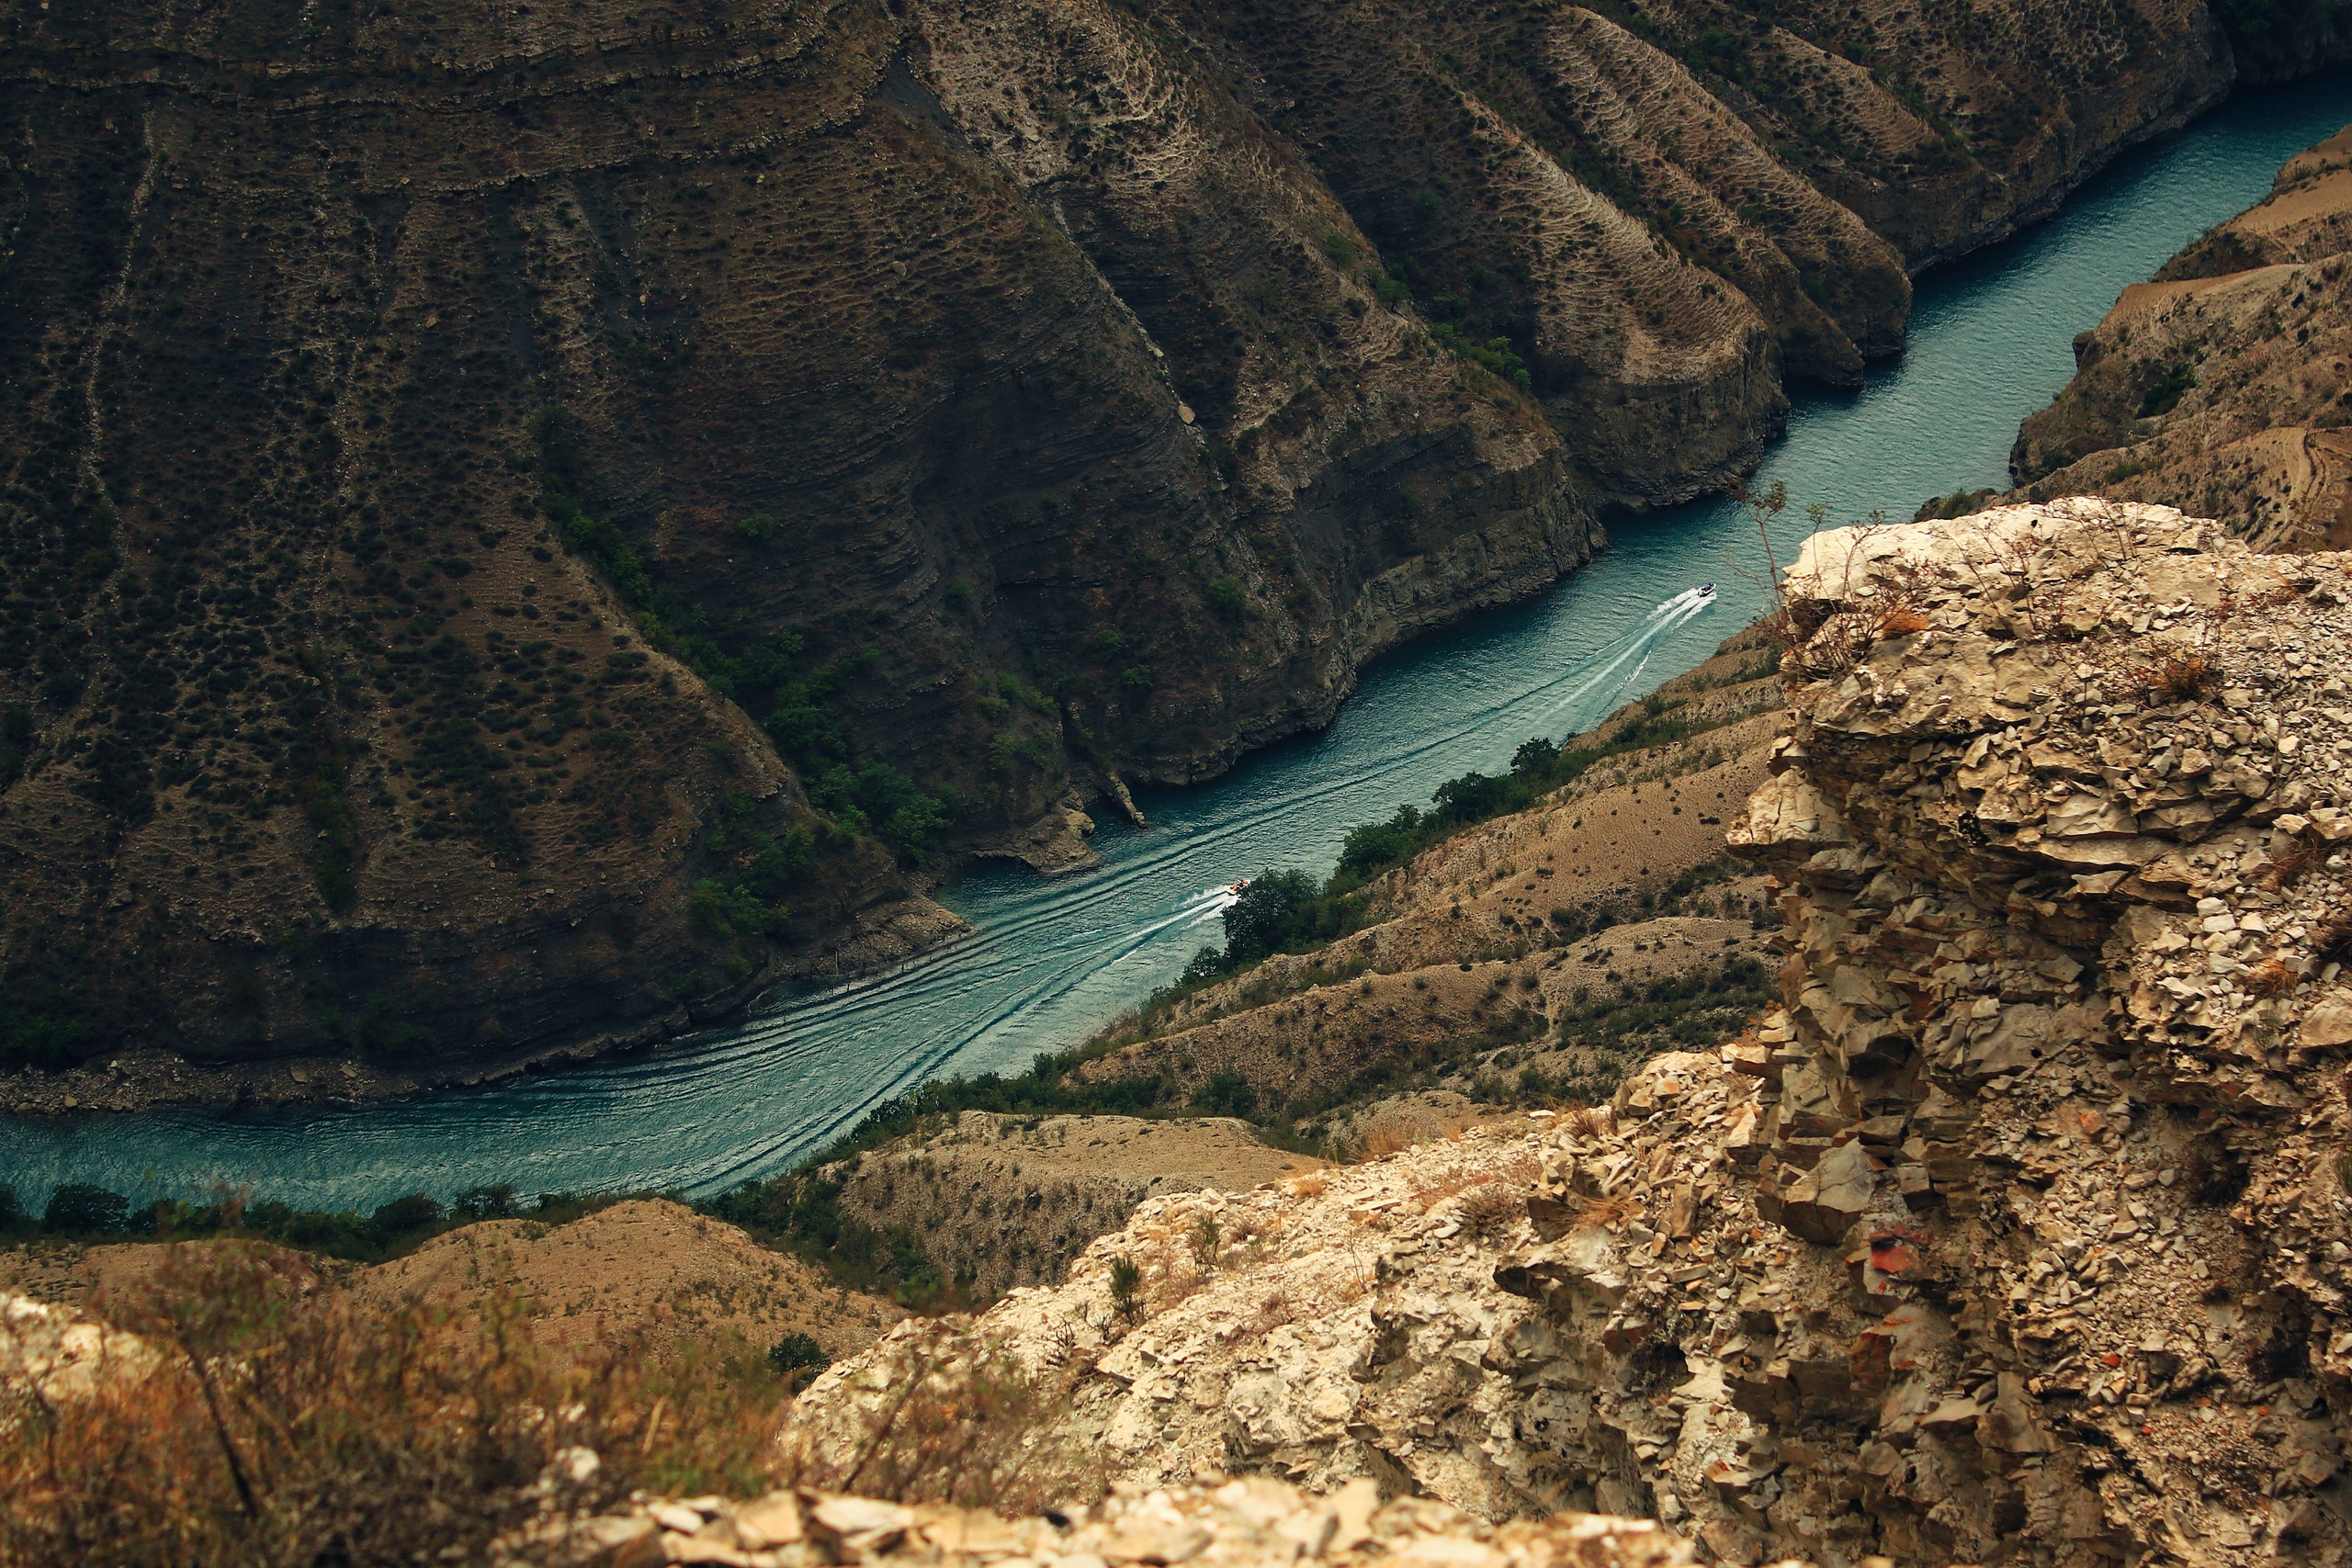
[730, 914]
[398, 1218]
[79, 1209]
[797, 1352]
[2169, 388]
[48, 1015]
[1495, 354]
[1227, 1093]
[493, 1202]
[1126, 1286]
[807, 736]
[880, 802]
[1224, 596]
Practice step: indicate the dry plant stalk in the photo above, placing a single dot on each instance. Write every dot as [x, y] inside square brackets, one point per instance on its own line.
[963, 1423]
[1826, 635]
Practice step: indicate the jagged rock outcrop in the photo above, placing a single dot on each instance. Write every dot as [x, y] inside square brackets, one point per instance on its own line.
[50, 1354]
[2017, 1230]
[2054, 818]
[2225, 385]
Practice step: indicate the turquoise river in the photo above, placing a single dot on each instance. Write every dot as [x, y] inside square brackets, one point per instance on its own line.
[1053, 960]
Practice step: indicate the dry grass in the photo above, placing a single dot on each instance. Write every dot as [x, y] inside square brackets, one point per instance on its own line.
[292, 1425]
[2270, 979]
[962, 1423]
[2292, 861]
[2332, 934]
[1585, 1121]
[1492, 1207]
[2184, 677]
[1607, 1211]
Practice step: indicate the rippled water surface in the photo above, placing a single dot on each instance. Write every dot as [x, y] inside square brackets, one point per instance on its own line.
[1054, 960]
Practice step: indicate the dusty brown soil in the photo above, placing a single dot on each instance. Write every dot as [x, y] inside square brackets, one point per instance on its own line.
[999, 1201]
[643, 1268]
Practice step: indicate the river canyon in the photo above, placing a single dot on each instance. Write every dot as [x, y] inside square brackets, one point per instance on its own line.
[1051, 959]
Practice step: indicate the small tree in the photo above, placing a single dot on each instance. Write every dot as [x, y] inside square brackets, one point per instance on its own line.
[1126, 1287]
[1207, 1238]
[80, 1209]
[798, 1358]
[495, 1202]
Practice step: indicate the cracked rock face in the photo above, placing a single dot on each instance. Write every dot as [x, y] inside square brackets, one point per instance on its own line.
[2016, 1233]
[1246, 1522]
[2055, 826]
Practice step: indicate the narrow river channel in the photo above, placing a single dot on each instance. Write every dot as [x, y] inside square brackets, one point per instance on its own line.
[1053, 960]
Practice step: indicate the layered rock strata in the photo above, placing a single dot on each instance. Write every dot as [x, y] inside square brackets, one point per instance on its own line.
[1248, 1523]
[2016, 1232]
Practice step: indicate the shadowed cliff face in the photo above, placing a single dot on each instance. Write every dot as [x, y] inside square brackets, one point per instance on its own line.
[436, 445]
[525, 524]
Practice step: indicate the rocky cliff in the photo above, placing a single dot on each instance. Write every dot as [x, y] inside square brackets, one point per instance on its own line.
[466, 495]
[2015, 1231]
[2221, 386]
[524, 527]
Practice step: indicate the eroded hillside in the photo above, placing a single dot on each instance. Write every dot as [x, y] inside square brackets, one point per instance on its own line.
[524, 528]
[2225, 385]
[1540, 953]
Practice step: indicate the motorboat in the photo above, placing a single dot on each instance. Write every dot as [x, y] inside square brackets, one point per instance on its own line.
[1706, 591]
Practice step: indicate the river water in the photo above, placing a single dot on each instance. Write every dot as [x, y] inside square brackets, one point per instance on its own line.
[1054, 960]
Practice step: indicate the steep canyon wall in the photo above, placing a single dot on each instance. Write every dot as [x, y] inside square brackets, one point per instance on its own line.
[526, 526]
